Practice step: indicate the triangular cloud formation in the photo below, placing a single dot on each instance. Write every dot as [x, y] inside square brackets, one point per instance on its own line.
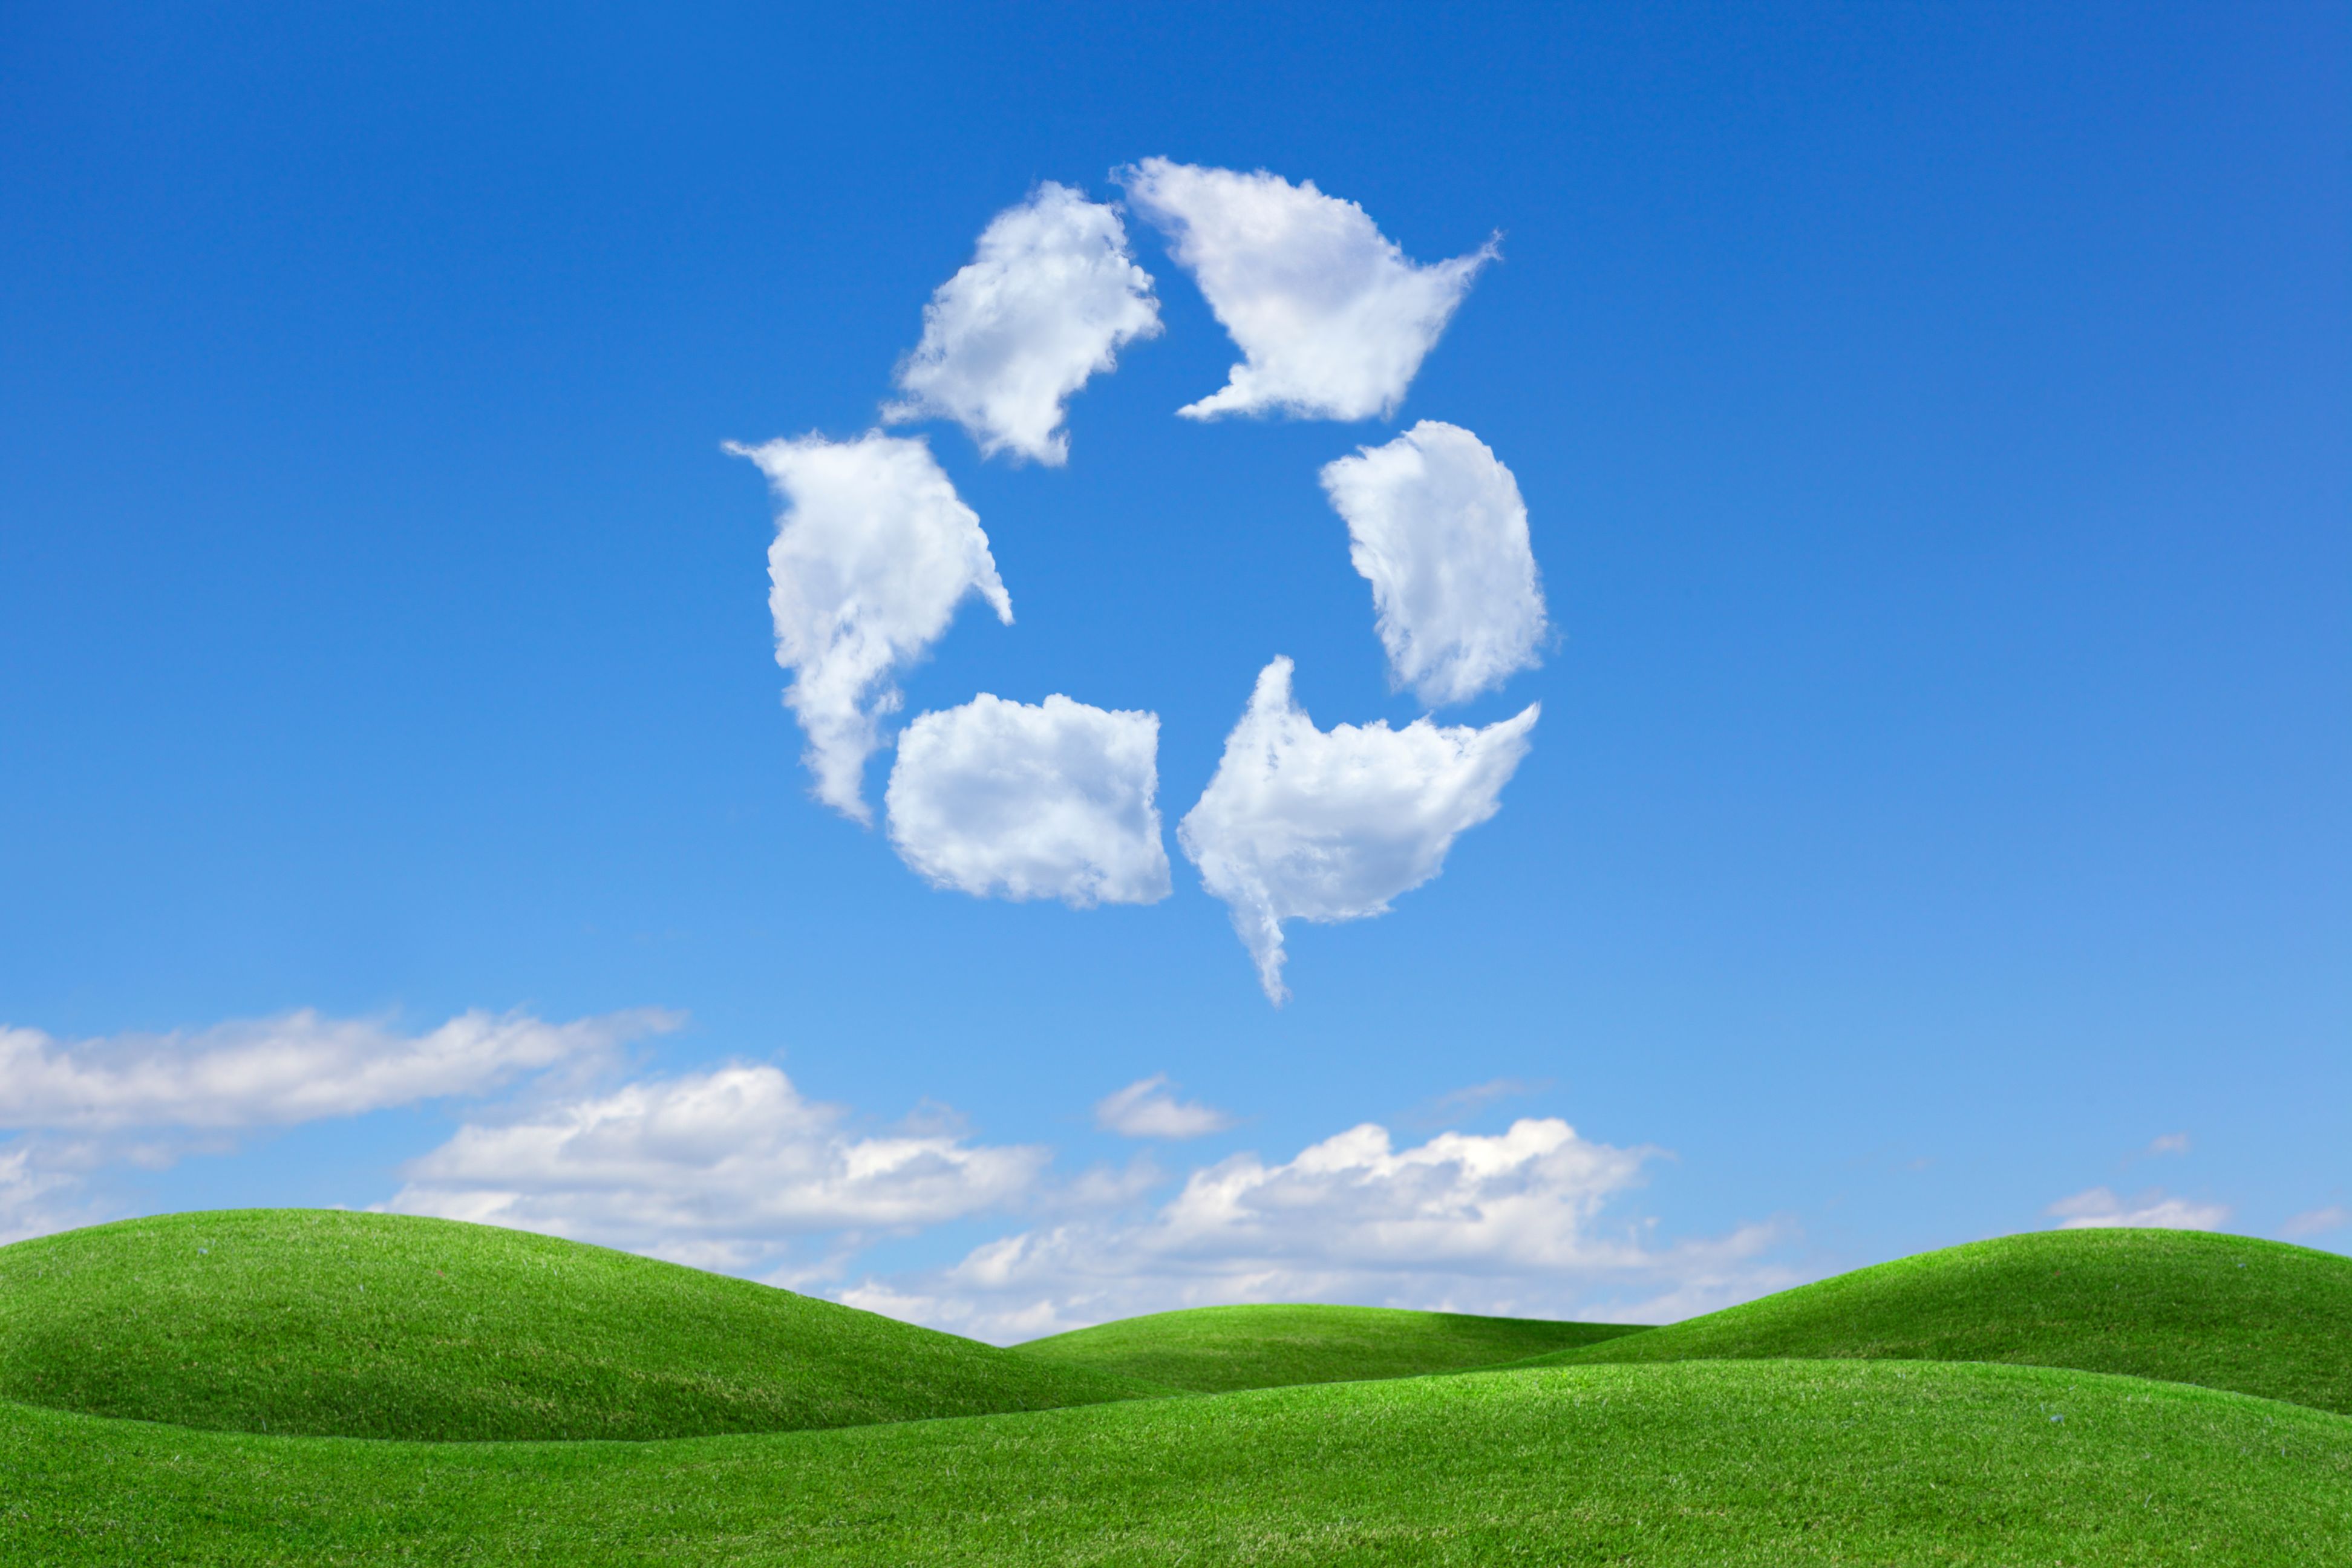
[1332, 319]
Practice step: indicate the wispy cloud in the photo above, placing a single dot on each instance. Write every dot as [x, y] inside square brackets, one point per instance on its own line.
[1437, 526]
[1015, 801]
[874, 551]
[35, 1197]
[1149, 1109]
[2169, 1143]
[1306, 823]
[1473, 1098]
[1332, 319]
[2100, 1207]
[1049, 301]
[275, 1072]
[2316, 1222]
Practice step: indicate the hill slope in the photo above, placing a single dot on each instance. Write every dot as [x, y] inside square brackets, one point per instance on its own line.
[1786, 1463]
[2227, 1312]
[325, 1322]
[1214, 1349]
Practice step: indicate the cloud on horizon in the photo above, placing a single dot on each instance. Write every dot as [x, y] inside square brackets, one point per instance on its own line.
[1332, 318]
[1019, 800]
[1436, 525]
[717, 1169]
[1148, 1109]
[874, 551]
[1048, 300]
[1305, 823]
[1506, 1223]
[2099, 1207]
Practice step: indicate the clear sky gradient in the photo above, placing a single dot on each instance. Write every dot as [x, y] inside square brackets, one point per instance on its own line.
[1935, 424]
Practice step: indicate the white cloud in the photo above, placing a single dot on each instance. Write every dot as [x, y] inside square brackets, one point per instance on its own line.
[1332, 319]
[1324, 826]
[1147, 1109]
[1503, 1224]
[2316, 1222]
[1436, 524]
[274, 1072]
[2100, 1207]
[872, 554]
[715, 1168]
[1020, 802]
[1046, 304]
[2169, 1143]
[34, 1196]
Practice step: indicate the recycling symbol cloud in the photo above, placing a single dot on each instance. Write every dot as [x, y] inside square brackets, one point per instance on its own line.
[874, 552]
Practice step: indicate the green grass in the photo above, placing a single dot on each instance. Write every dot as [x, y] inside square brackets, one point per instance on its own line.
[1650, 1447]
[384, 1326]
[1702, 1462]
[2226, 1311]
[1214, 1350]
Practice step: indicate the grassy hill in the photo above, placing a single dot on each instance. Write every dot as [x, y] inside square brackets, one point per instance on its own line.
[387, 1326]
[1214, 1349]
[2226, 1311]
[1700, 1462]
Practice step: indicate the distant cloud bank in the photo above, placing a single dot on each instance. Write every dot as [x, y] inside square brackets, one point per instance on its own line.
[710, 1168]
[1502, 1224]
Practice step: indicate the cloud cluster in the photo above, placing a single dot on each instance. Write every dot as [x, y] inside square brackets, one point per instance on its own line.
[275, 1072]
[1048, 300]
[1149, 1109]
[1051, 801]
[1306, 823]
[2100, 1208]
[1436, 524]
[1332, 319]
[712, 1168]
[1502, 1224]
[874, 551]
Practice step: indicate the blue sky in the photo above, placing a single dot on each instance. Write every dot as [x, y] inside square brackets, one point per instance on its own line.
[1932, 426]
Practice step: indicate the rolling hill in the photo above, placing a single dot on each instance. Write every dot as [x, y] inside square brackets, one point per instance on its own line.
[1214, 1350]
[2223, 1311]
[1697, 1462]
[331, 1323]
[1864, 1419]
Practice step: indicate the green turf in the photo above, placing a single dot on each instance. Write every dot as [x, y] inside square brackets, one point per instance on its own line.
[1214, 1350]
[293, 1321]
[1703, 1462]
[2259, 1317]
